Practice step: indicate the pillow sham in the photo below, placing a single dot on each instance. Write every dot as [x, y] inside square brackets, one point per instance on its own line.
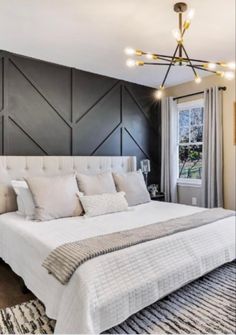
[55, 197]
[24, 198]
[133, 184]
[96, 184]
[101, 204]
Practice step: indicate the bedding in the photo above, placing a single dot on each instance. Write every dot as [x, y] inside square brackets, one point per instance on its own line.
[96, 184]
[64, 260]
[55, 197]
[133, 184]
[100, 204]
[104, 291]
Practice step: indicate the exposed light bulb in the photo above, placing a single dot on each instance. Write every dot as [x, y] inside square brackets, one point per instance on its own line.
[198, 79]
[229, 75]
[231, 66]
[158, 94]
[177, 35]
[149, 56]
[129, 51]
[130, 62]
[211, 66]
[191, 14]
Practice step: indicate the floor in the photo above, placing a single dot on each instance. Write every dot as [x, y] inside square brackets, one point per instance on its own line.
[10, 288]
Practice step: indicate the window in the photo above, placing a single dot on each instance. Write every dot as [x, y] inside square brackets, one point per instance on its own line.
[190, 141]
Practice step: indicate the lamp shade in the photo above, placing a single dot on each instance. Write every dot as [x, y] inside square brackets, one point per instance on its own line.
[145, 166]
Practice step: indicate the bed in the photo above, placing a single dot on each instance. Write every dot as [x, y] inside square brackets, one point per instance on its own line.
[104, 291]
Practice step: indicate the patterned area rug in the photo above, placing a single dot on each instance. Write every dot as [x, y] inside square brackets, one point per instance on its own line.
[207, 305]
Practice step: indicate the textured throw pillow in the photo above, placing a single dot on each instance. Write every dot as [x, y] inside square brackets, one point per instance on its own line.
[96, 184]
[24, 198]
[133, 184]
[100, 204]
[55, 197]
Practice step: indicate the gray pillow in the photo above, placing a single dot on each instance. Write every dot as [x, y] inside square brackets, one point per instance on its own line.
[133, 184]
[96, 184]
[55, 197]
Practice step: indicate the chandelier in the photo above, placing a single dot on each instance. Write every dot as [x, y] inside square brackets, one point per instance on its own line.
[180, 56]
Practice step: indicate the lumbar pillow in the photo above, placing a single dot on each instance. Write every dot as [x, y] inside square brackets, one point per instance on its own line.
[96, 184]
[24, 198]
[133, 184]
[106, 203]
[55, 197]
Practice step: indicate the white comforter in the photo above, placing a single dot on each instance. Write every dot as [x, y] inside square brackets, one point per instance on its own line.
[106, 290]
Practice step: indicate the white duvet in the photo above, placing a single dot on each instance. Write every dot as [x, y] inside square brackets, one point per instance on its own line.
[106, 290]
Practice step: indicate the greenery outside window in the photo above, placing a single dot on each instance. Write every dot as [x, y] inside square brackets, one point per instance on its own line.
[190, 141]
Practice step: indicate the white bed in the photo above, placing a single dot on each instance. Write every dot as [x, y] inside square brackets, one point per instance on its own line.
[106, 290]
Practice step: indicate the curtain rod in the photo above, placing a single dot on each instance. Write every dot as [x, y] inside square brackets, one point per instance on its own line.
[221, 88]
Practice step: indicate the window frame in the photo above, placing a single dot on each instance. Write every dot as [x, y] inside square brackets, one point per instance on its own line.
[180, 106]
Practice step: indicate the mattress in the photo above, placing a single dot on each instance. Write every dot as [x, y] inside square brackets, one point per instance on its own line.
[106, 290]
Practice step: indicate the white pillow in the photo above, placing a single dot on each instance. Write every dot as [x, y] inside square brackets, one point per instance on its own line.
[24, 198]
[106, 203]
[133, 184]
[55, 197]
[96, 184]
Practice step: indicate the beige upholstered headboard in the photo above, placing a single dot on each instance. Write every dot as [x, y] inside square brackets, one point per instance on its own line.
[18, 167]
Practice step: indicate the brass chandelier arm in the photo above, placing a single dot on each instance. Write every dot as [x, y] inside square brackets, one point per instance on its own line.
[193, 65]
[169, 67]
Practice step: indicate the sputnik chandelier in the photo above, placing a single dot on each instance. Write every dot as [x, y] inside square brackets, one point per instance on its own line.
[180, 56]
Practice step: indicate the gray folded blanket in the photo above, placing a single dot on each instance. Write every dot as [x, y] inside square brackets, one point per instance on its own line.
[65, 259]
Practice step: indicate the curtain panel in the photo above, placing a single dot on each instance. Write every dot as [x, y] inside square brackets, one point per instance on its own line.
[212, 177]
[169, 149]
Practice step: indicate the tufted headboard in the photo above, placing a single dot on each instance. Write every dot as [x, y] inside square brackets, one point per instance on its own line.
[18, 167]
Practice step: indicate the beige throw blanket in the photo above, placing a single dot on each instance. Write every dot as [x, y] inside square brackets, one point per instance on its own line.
[64, 260]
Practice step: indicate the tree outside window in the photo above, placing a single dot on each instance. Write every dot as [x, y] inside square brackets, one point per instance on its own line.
[190, 140]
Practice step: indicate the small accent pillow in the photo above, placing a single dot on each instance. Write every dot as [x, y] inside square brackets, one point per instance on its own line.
[133, 184]
[96, 184]
[24, 198]
[100, 204]
[55, 197]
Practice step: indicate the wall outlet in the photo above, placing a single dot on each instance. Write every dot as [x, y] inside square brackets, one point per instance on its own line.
[194, 201]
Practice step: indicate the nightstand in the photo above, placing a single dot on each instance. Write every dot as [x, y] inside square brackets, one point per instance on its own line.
[160, 196]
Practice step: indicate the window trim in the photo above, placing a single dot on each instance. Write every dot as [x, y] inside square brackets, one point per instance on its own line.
[188, 104]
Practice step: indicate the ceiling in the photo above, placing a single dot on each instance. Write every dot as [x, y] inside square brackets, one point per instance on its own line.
[92, 34]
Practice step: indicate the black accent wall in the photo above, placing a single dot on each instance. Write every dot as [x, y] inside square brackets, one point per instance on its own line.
[48, 109]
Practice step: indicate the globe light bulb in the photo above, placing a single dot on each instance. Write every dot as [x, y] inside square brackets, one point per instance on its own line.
[229, 75]
[177, 35]
[198, 80]
[211, 66]
[231, 66]
[129, 51]
[191, 14]
[130, 62]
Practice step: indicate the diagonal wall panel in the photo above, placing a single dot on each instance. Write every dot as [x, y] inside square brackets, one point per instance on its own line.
[56, 110]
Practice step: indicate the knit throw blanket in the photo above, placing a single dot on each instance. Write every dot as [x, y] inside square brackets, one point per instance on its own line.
[65, 259]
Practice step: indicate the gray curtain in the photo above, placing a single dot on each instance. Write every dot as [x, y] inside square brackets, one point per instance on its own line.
[169, 149]
[212, 184]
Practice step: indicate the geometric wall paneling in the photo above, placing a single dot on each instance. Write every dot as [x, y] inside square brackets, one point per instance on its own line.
[1, 83]
[111, 146]
[90, 88]
[56, 110]
[20, 143]
[130, 147]
[1, 135]
[100, 121]
[35, 115]
[53, 81]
